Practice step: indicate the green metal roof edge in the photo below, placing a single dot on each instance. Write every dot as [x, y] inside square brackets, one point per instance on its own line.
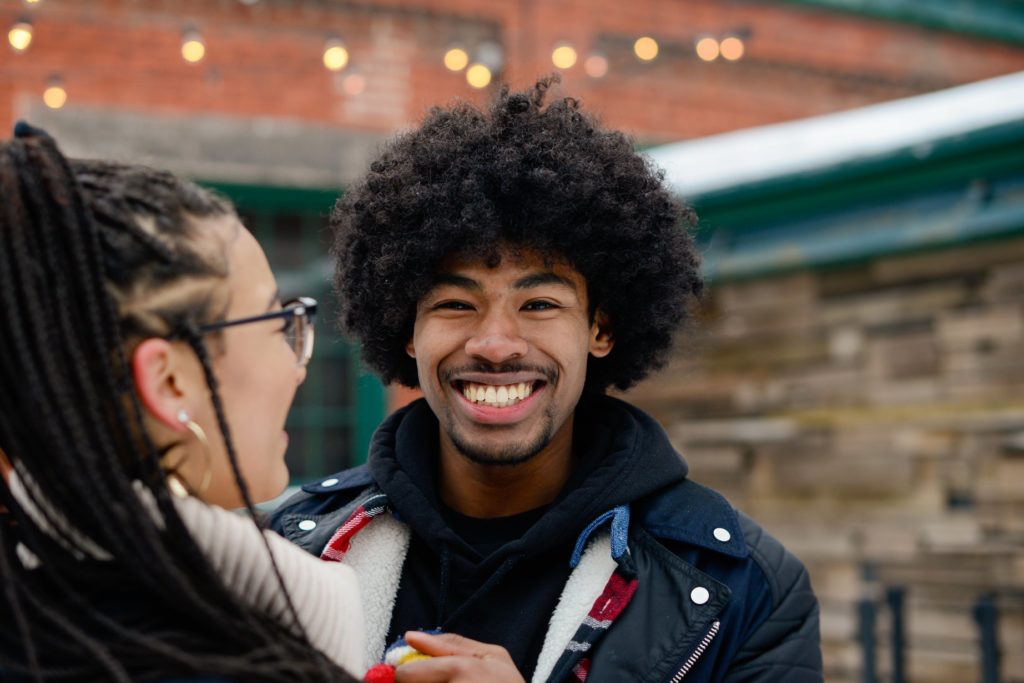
[833, 251]
[913, 165]
[999, 23]
[277, 198]
[994, 151]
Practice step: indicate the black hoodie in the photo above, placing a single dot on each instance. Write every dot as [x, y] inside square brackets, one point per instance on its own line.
[499, 580]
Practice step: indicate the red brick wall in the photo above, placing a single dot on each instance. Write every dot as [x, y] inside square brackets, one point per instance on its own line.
[264, 60]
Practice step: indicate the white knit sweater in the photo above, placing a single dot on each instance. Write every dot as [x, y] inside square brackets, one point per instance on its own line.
[325, 594]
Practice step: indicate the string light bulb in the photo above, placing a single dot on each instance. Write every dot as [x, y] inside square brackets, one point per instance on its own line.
[354, 83]
[193, 49]
[20, 36]
[596, 64]
[708, 49]
[564, 56]
[55, 96]
[478, 76]
[646, 48]
[336, 55]
[456, 58]
[732, 48]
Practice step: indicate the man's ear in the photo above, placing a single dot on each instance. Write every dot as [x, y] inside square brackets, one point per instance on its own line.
[157, 381]
[601, 340]
[410, 349]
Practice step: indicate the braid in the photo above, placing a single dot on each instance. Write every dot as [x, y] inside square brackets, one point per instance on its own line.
[93, 254]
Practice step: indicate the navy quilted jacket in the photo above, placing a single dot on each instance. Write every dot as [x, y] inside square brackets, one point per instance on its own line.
[708, 595]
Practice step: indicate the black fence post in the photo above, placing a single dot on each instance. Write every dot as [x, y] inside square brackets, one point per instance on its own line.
[895, 597]
[987, 615]
[867, 614]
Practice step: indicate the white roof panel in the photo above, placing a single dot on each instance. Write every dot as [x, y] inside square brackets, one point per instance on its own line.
[716, 162]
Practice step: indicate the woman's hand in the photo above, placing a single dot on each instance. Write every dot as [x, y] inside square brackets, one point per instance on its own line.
[457, 660]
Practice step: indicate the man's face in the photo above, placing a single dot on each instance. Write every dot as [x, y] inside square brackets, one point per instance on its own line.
[502, 352]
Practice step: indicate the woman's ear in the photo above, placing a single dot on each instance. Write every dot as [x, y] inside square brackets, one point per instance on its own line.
[601, 340]
[5, 466]
[158, 382]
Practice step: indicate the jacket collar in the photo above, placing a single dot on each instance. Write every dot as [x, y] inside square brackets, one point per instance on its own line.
[688, 512]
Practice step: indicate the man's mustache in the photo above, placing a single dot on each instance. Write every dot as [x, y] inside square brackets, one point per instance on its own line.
[549, 374]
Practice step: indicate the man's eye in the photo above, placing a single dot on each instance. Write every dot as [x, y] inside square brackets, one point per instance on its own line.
[454, 306]
[540, 306]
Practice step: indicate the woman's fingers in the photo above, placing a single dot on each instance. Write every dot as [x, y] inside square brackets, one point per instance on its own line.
[457, 659]
[449, 644]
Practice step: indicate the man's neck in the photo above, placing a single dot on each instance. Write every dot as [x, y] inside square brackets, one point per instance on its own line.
[485, 491]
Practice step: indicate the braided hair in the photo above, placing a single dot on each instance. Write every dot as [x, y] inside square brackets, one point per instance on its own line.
[92, 256]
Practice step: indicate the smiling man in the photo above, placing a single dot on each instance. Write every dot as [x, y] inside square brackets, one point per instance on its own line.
[514, 264]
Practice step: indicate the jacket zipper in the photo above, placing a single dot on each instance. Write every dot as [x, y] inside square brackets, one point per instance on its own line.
[692, 659]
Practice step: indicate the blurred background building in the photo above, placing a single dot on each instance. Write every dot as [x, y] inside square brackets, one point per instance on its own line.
[856, 381]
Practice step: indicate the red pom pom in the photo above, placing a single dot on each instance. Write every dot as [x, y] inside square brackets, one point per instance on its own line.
[380, 673]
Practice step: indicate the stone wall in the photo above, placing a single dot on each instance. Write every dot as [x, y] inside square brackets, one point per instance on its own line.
[873, 414]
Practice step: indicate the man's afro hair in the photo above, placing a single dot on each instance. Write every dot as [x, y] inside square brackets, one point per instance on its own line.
[526, 176]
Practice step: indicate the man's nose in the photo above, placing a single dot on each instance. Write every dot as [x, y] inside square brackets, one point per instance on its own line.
[497, 339]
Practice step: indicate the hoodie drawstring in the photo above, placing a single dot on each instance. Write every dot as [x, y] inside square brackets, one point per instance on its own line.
[442, 595]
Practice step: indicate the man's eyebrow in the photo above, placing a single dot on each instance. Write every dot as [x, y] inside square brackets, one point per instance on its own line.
[456, 281]
[543, 278]
[526, 282]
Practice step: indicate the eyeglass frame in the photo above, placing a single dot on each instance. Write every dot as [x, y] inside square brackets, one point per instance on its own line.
[303, 306]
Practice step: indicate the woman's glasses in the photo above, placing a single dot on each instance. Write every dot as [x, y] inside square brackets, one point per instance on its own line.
[298, 317]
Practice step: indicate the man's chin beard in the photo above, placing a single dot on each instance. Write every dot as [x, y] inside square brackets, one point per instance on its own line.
[508, 456]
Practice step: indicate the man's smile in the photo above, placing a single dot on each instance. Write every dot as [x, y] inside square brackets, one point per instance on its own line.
[497, 395]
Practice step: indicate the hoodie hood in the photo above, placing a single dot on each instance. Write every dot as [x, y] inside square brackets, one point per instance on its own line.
[620, 454]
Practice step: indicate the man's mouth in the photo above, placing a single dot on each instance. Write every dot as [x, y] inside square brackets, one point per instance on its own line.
[497, 395]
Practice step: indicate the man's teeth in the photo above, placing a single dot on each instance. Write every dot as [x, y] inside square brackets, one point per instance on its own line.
[500, 396]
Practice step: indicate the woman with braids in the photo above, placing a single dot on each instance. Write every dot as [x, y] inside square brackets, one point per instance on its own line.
[146, 370]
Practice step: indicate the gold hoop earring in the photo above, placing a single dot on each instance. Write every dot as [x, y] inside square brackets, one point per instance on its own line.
[174, 481]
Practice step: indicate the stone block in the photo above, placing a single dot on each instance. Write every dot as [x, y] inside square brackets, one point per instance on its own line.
[1004, 284]
[838, 619]
[815, 544]
[980, 328]
[948, 263]
[1001, 479]
[880, 308]
[837, 583]
[739, 430]
[777, 293]
[905, 392]
[820, 387]
[868, 474]
[718, 460]
[889, 543]
[902, 357]
[951, 533]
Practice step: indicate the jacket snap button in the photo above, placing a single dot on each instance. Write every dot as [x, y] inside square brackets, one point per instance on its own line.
[700, 595]
[722, 535]
[329, 482]
[307, 525]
